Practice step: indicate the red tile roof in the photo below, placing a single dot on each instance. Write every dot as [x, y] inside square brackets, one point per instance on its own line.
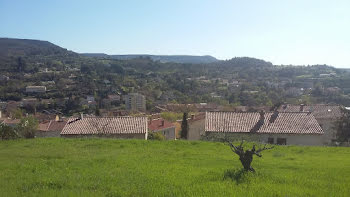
[195, 117]
[320, 111]
[52, 125]
[156, 124]
[105, 125]
[11, 121]
[57, 125]
[287, 123]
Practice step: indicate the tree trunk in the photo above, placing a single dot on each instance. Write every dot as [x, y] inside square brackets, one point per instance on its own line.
[246, 159]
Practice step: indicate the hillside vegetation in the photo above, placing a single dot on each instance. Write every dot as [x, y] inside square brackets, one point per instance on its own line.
[108, 167]
[70, 77]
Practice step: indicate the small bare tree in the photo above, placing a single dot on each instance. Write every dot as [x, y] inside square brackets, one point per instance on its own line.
[246, 157]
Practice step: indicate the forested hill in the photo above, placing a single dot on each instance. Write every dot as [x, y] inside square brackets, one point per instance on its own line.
[190, 59]
[238, 81]
[24, 47]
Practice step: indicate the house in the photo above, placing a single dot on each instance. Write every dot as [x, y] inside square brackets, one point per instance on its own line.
[90, 98]
[196, 126]
[10, 122]
[29, 101]
[4, 78]
[35, 89]
[282, 128]
[117, 127]
[162, 126]
[326, 116]
[51, 128]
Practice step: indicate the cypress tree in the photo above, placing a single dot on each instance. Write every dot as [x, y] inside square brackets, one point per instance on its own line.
[184, 126]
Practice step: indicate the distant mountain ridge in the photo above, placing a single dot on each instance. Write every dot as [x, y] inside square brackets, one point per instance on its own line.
[24, 47]
[162, 58]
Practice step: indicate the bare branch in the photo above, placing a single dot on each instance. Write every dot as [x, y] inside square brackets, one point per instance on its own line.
[238, 150]
[262, 149]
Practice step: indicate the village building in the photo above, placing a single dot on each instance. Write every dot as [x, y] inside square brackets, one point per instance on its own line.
[10, 122]
[135, 102]
[4, 78]
[196, 126]
[326, 116]
[115, 127]
[283, 128]
[162, 126]
[29, 101]
[35, 89]
[51, 128]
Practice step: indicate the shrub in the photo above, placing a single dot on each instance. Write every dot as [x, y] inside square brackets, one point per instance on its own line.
[156, 136]
[28, 127]
[7, 132]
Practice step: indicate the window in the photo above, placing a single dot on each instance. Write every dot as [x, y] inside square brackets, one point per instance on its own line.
[270, 140]
[281, 141]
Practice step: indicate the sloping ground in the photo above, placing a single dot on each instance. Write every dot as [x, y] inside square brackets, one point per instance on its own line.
[108, 167]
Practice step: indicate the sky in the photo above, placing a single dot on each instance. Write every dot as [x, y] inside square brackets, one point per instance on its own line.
[298, 32]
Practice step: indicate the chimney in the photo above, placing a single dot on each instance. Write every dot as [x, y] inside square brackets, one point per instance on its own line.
[57, 118]
[192, 117]
[0, 114]
[162, 123]
[301, 107]
[81, 116]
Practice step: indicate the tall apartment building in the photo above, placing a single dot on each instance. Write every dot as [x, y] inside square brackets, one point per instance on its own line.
[135, 102]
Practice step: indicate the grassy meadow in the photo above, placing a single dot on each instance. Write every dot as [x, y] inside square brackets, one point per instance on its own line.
[109, 167]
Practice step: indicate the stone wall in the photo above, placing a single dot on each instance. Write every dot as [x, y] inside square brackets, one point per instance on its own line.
[195, 130]
[47, 133]
[169, 133]
[328, 127]
[291, 139]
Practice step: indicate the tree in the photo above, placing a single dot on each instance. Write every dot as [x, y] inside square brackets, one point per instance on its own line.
[246, 157]
[28, 126]
[184, 126]
[7, 132]
[342, 126]
[17, 114]
[97, 111]
[21, 64]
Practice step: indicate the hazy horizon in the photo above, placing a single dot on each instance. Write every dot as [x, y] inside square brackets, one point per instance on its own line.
[288, 32]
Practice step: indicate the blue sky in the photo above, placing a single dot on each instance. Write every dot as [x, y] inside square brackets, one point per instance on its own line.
[297, 32]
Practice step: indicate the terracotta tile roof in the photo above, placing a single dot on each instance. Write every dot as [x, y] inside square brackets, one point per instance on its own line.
[320, 111]
[287, 123]
[57, 125]
[44, 126]
[11, 121]
[156, 124]
[52, 125]
[106, 125]
[195, 117]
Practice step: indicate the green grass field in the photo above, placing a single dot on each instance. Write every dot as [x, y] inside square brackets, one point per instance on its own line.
[109, 167]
